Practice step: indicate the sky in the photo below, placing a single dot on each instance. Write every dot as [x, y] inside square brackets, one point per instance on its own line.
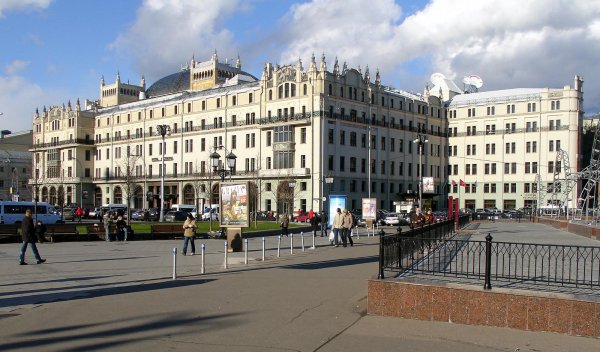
[55, 51]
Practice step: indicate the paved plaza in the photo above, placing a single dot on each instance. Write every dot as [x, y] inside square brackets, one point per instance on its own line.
[98, 296]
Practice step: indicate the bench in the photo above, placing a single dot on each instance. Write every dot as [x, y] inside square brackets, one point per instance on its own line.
[97, 231]
[166, 232]
[62, 233]
[10, 233]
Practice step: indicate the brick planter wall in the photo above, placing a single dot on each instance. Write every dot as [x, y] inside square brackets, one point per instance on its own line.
[522, 310]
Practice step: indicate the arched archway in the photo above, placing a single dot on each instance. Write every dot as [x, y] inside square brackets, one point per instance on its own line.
[118, 195]
[44, 194]
[52, 197]
[189, 196]
[60, 196]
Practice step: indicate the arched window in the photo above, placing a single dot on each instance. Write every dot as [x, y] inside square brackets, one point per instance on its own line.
[118, 195]
[234, 100]
[188, 195]
[342, 92]
[293, 88]
[270, 94]
[305, 89]
[330, 89]
[280, 95]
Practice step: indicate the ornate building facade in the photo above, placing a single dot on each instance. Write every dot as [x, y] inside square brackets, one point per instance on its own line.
[291, 130]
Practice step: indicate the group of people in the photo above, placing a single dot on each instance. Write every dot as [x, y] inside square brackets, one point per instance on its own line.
[418, 219]
[343, 222]
[121, 228]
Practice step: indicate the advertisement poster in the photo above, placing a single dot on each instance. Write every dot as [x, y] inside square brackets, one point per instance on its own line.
[234, 204]
[427, 184]
[369, 208]
[335, 201]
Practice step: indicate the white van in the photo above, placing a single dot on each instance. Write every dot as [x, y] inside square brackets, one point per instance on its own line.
[188, 208]
[14, 212]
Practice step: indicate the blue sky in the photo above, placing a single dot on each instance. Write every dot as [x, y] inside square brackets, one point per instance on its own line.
[54, 51]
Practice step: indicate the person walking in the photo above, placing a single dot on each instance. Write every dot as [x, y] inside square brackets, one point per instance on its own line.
[323, 223]
[40, 231]
[337, 227]
[106, 220]
[189, 231]
[28, 236]
[346, 228]
[285, 223]
[314, 223]
[79, 213]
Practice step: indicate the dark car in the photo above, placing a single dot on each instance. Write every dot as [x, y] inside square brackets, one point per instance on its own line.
[140, 215]
[175, 216]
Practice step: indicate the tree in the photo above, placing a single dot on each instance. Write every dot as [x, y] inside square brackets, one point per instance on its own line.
[203, 183]
[126, 170]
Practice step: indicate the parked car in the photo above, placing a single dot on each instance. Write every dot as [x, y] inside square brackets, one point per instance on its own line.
[175, 216]
[140, 215]
[68, 214]
[303, 217]
[213, 214]
[392, 219]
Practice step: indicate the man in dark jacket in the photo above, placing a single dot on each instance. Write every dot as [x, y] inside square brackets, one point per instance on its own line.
[28, 236]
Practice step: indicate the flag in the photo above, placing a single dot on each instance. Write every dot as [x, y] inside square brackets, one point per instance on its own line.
[462, 183]
[453, 183]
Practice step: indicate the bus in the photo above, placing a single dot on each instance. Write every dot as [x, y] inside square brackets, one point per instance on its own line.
[14, 212]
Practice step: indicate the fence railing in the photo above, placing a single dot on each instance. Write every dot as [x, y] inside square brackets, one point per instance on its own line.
[392, 250]
[507, 262]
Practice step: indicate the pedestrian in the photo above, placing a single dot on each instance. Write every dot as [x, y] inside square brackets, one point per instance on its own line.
[285, 223]
[314, 223]
[79, 213]
[311, 214]
[106, 220]
[189, 231]
[28, 236]
[337, 227]
[120, 231]
[323, 223]
[346, 228]
[40, 231]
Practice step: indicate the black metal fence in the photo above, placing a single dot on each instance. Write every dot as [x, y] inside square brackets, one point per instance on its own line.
[522, 263]
[396, 247]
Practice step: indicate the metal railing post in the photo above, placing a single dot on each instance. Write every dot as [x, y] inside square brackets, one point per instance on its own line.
[380, 274]
[291, 243]
[202, 252]
[488, 262]
[225, 262]
[246, 251]
[278, 246]
[174, 263]
[263, 249]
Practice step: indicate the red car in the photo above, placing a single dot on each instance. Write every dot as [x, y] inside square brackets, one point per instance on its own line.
[303, 217]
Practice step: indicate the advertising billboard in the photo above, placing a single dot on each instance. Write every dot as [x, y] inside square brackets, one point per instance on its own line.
[369, 208]
[335, 202]
[428, 185]
[234, 204]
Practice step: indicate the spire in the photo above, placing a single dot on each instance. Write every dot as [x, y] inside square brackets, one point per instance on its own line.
[238, 63]
[299, 65]
[102, 81]
[345, 68]
[215, 57]
[69, 105]
[37, 112]
[64, 108]
[118, 77]
[367, 75]
[143, 82]
[336, 67]
[313, 63]
[78, 105]
[323, 67]
[377, 77]
[359, 70]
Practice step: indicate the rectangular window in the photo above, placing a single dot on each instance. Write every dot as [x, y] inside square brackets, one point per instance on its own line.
[303, 135]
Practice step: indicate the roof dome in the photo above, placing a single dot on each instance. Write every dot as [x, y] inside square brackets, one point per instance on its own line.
[172, 83]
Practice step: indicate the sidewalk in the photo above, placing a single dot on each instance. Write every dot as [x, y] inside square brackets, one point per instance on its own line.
[120, 297]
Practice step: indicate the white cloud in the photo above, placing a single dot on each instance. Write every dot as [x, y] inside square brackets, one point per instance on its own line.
[509, 43]
[15, 67]
[23, 5]
[167, 32]
[18, 95]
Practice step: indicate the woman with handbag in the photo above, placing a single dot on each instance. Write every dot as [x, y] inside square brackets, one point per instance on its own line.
[189, 231]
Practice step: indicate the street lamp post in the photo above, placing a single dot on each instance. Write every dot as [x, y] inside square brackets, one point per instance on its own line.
[163, 130]
[292, 185]
[218, 167]
[420, 141]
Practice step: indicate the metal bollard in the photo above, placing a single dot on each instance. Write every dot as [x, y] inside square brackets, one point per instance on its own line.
[263, 249]
[313, 241]
[302, 237]
[488, 262]
[174, 263]
[202, 252]
[246, 251]
[291, 243]
[225, 262]
[278, 246]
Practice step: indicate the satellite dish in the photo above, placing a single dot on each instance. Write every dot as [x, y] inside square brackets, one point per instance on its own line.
[437, 79]
[475, 81]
